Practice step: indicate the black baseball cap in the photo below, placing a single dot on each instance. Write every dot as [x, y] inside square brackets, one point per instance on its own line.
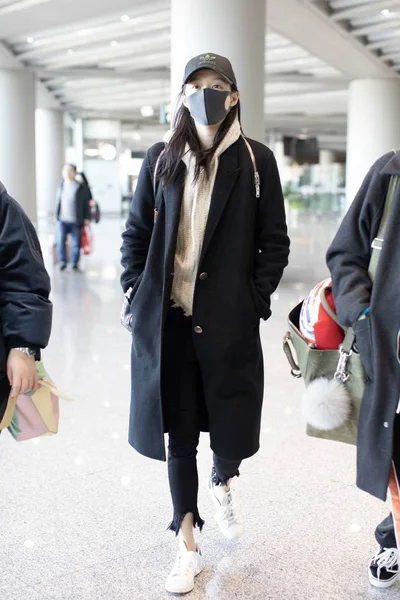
[211, 61]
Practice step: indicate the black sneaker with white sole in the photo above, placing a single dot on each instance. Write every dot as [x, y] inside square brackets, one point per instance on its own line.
[384, 568]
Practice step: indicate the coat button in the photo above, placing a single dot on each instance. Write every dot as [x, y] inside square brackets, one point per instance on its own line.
[203, 276]
[198, 329]
[386, 424]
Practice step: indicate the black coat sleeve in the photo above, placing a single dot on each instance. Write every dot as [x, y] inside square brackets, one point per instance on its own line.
[139, 226]
[25, 309]
[88, 198]
[271, 236]
[349, 254]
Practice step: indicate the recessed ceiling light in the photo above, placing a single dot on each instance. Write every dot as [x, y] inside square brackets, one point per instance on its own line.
[385, 12]
[108, 152]
[91, 152]
[30, 40]
[147, 111]
[114, 43]
[125, 18]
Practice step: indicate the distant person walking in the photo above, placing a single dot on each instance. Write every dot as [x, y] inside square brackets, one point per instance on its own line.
[95, 214]
[73, 212]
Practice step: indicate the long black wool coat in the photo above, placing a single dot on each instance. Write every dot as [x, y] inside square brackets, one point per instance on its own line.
[25, 309]
[378, 335]
[244, 253]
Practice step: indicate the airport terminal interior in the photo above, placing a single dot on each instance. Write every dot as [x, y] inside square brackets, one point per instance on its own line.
[93, 83]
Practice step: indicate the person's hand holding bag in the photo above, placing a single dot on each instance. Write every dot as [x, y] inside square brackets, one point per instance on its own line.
[21, 373]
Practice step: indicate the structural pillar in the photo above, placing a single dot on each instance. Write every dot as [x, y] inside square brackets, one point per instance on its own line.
[231, 28]
[17, 137]
[283, 162]
[326, 157]
[49, 158]
[79, 142]
[373, 127]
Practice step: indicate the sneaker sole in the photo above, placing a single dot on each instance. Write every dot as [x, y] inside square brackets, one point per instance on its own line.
[180, 592]
[229, 536]
[382, 585]
[183, 591]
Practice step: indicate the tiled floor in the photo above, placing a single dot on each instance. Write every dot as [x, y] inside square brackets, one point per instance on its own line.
[83, 517]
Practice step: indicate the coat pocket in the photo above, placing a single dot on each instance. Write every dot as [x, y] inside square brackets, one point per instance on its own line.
[255, 298]
[363, 333]
[135, 288]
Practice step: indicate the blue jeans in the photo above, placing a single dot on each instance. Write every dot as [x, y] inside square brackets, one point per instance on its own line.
[75, 231]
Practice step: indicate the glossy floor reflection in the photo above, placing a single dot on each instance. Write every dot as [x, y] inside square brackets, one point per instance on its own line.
[83, 517]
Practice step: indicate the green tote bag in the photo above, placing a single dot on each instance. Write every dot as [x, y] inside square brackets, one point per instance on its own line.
[339, 372]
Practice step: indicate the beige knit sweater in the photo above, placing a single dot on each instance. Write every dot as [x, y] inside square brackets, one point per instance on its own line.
[194, 215]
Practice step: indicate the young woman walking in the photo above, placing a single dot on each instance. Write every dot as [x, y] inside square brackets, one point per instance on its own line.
[372, 310]
[204, 249]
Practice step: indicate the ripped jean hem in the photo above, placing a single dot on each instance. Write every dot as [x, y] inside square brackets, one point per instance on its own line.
[176, 523]
[218, 480]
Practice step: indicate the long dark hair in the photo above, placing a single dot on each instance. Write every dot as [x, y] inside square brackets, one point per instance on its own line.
[185, 132]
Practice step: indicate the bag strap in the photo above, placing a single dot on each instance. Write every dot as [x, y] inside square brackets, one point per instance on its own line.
[349, 336]
[327, 308]
[257, 180]
[295, 369]
[49, 385]
[377, 244]
[348, 342]
[157, 190]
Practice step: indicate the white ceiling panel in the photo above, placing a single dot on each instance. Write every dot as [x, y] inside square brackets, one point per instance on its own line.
[103, 58]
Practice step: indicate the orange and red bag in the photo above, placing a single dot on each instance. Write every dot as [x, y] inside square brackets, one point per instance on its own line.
[86, 240]
[316, 324]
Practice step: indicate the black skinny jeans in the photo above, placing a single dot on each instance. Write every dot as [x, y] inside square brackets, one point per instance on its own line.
[385, 532]
[185, 414]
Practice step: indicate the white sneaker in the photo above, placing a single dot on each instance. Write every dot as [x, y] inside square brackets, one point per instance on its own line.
[187, 566]
[227, 514]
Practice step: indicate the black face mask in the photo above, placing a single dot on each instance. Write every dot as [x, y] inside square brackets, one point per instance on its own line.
[207, 106]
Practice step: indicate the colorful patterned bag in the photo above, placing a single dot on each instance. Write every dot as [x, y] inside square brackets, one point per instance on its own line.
[34, 415]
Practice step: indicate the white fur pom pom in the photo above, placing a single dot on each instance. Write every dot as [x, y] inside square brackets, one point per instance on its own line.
[326, 404]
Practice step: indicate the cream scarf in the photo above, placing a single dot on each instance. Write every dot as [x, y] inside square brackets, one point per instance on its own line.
[193, 221]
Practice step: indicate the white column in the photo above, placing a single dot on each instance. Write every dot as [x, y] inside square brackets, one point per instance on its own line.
[17, 137]
[231, 28]
[326, 157]
[373, 127]
[49, 158]
[284, 162]
[79, 144]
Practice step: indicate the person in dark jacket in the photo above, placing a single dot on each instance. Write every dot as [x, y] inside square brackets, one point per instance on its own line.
[25, 309]
[373, 311]
[94, 208]
[205, 247]
[73, 212]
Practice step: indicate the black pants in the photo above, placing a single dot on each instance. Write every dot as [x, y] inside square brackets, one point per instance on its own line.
[185, 414]
[385, 532]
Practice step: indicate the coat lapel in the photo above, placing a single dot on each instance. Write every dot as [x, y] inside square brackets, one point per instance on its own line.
[228, 172]
[173, 195]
